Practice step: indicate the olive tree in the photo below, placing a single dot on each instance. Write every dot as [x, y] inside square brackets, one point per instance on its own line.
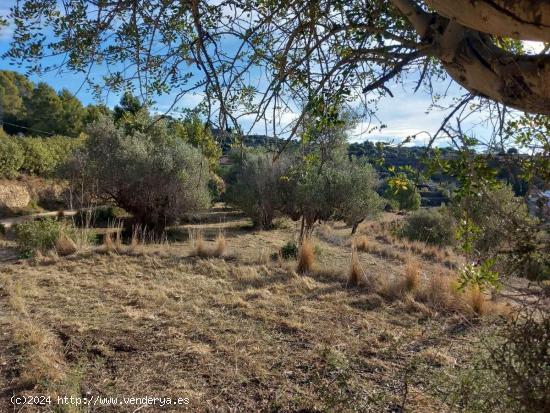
[155, 177]
[253, 186]
[360, 199]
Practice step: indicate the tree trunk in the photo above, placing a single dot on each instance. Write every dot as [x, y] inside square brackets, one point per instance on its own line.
[355, 226]
[517, 19]
[475, 62]
[518, 81]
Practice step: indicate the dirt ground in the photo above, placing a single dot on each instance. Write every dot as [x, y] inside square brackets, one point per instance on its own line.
[240, 332]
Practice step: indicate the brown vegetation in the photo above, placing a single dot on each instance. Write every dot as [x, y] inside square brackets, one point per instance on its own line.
[65, 246]
[306, 257]
[356, 274]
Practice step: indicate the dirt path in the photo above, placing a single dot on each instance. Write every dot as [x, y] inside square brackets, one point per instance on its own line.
[8, 222]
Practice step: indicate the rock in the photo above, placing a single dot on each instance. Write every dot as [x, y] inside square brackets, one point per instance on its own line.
[14, 195]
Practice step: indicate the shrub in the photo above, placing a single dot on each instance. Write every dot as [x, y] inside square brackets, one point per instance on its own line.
[11, 157]
[402, 192]
[510, 372]
[289, 251]
[36, 156]
[40, 235]
[497, 227]
[39, 157]
[432, 226]
[155, 177]
[495, 212]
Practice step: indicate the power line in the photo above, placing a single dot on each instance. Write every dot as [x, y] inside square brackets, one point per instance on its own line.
[25, 127]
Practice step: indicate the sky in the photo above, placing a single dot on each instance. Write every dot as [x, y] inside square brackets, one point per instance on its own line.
[405, 114]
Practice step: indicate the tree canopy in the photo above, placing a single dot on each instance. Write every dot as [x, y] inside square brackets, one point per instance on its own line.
[339, 50]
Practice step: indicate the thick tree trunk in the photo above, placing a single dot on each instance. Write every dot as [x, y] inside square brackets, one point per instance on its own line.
[518, 81]
[475, 62]
[518, 19]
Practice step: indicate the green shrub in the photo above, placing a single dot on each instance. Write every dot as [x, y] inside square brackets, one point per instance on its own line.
[42, 156]
[289, 251]
[40, 235]
[11, 157]
[402, 192]
[433, 226]
[496, 226]
[495, 212]
[39, 158]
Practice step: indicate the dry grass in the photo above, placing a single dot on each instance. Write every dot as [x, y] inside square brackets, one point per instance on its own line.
[221, 245]
[412, 276]
[197, 243]
[306, 257]
[381, 231]
[135, 240]
[65, 246]
[42, 359]
[108, 243]
[362, 244]
[440, 292]
[356, 274]
[162, 322]
[202, 250]
[476, 301]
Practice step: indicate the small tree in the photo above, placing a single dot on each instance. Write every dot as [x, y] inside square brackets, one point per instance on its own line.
[254, 187]
[360, 200]
[495, 226]
[155, 178]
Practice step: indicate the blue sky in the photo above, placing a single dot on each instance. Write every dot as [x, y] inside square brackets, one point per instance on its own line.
[404, 114]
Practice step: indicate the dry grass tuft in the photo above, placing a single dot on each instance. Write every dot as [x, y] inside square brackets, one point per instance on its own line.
[197, 242]
[306, 257]
[356, 273]
[108, 243]
[134, 242]
[14, 292]
[476, 301]
[201, 249]
[440, 292]
[65, 246]
[411, 277]
[362, 244]
[408, 283]
[221, 245]
[263, 257]
[118, 240]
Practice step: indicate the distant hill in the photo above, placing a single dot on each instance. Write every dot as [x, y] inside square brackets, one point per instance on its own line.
[383, 157]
